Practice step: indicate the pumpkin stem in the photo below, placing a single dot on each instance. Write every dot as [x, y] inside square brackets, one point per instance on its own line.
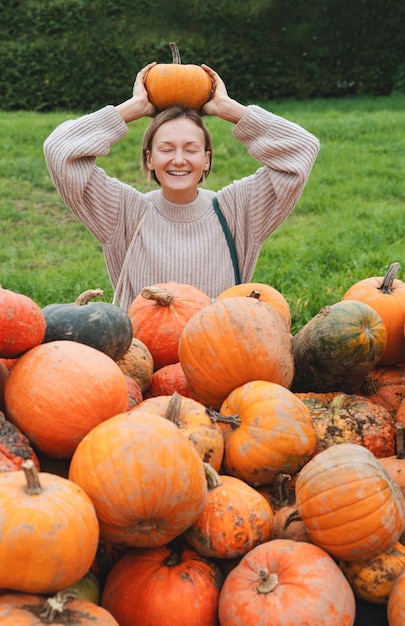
[175, 53]
[268, 582]
[338, 401]
[54, 607]
[386, 285]
[256, 293]
[173, 409]
[31, 476]
[400, 440]
[86, 296]
[233, 420]
[281, 490]
[293, 517]
[161, 296]
[368, 385]
[213, 478]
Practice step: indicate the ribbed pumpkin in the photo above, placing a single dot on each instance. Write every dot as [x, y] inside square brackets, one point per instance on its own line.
[171, 84]
[144, 477]
[337, 348]
[275, 432]
[159, 314]
[386, 295]
[286, 583]
[49, 531]
[22, 609]
[349, 418]
[396, 602]
[372, 580]
[265, 293]
[193, 420]
[102, 325]
[231, 342]
[235, 518]
[22, 324]
[60, 390]
[350, 505]
[165, 586]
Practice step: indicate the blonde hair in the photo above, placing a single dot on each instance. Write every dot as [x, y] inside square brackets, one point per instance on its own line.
[161, 118]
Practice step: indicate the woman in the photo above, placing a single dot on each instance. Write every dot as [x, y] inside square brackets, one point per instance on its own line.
[173, 233]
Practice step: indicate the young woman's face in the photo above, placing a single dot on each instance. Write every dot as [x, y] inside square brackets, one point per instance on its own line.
[179, 158]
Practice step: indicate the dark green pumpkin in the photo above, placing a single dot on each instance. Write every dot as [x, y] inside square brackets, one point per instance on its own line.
[101, 325]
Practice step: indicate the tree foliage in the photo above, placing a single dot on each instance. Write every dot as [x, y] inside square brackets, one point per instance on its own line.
[82, 54]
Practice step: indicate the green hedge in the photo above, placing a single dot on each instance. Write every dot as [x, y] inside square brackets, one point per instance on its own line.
[82, 54]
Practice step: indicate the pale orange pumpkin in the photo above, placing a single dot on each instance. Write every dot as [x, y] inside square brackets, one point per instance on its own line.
[349, 504]
[144, 477]
[231, 342]
[49, 531]
[386, 295]
[275, 432]
[171, 84]
[396, 601]
[286, 583]
[58, 391]
[172, 584]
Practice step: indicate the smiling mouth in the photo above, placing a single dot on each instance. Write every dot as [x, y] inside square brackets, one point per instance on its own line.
[178, 173]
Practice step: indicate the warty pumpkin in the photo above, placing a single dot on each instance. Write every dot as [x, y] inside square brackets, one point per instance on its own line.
[349, 504]
[102, 325]
[337, 348]
[386, 295]
[172, 584]
[145, 478]
[171, 84]
[23, 609]
[231, 342]
[372, 580]
[60, 390]
[15, 447]
[137, 362]
[49, 531]
[22, 323]
[349, 418]
[159, 314]
[235, 518]
[275, 432]
[286, 583]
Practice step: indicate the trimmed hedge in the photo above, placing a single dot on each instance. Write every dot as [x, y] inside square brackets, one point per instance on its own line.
[83, 54]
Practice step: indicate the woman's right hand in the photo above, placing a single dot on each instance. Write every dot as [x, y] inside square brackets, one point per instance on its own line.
[139, 105]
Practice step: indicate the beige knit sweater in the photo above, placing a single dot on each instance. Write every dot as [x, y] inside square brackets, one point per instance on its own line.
[180, 242]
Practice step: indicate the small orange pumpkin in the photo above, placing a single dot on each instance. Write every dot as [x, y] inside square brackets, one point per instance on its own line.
[286, 583]
[49, 531]
[22, 323]
[386, 295]
[171, 84]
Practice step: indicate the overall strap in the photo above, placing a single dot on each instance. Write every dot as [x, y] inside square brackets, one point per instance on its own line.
[229, 240]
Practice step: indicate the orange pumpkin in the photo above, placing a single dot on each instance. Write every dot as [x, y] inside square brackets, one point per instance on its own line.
[58, 391]
[395, 463]
[396, 601]
[22, 324]
[386, 295]
[385, 385]
[350, 505]
[159, 314]
[144, 477]
[275, 433]
[235, 518]
[265, 293]
[171, 84]
[23, 609]
[286, 583]
[172, 584]
[49, 531]
[372, 580]
[400, 414]
[192, 418]
[231, 342]
[168, 380]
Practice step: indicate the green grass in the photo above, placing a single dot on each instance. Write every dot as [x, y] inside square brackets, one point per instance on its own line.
[348, 224]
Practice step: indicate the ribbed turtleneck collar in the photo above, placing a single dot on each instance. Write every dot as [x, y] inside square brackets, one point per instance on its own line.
[189, 212]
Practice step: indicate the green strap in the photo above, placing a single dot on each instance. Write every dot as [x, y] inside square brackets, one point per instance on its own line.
[229, 240]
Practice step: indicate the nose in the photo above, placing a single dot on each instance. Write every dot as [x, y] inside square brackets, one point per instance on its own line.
[178, 156]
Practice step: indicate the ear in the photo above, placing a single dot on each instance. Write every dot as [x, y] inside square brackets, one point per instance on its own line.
[207, 162]
[149, 162]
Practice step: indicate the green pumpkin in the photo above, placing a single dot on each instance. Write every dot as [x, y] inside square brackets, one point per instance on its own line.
[101, 325]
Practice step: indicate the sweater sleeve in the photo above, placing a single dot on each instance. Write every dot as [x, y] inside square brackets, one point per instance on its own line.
[287, 152]
[71, 152]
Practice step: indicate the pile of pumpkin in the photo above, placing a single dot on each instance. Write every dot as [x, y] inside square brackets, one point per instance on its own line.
[192, 462]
